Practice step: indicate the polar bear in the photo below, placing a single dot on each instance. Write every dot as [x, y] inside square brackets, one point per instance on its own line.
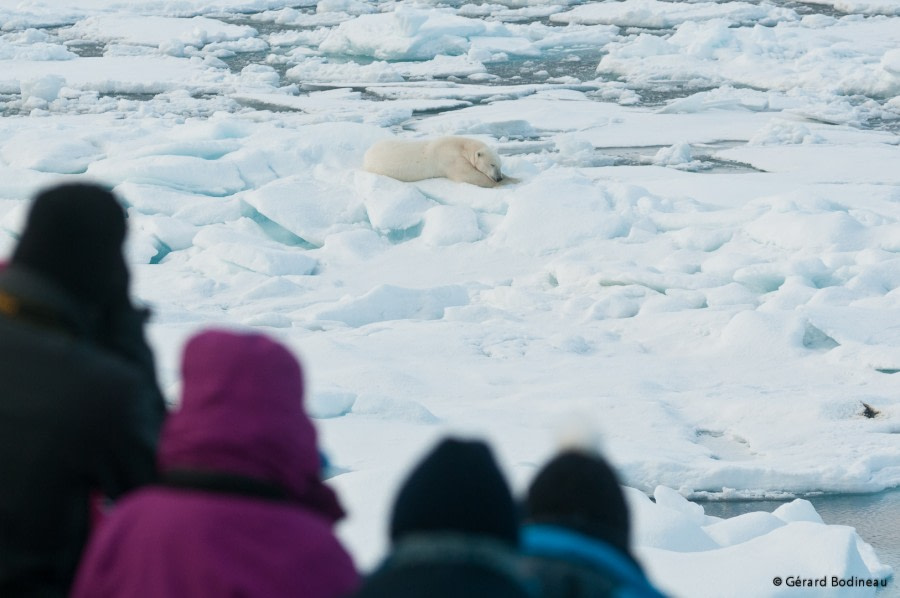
[457, 158]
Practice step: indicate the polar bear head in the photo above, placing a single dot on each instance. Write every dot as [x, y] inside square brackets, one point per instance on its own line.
[486, 161]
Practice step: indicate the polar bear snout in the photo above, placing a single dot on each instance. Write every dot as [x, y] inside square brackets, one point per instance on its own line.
[488, 163]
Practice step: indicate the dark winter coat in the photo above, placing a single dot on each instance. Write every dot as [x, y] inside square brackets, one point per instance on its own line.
[242, 510]
[568, 564]
[76, 418]
[444, 565]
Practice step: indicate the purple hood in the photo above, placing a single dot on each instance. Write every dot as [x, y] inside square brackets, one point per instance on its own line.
[242, 413]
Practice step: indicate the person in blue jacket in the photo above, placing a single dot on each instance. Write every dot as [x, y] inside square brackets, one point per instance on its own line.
[575, 537]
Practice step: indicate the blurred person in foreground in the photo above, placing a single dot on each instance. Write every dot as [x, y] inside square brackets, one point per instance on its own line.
[241, 509]
[454, 531]
[80, 408]
[575, 538]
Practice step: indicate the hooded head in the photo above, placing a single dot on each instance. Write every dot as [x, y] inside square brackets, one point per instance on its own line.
[242, 413]
[580, 491]
[73, 236]
[457, 488]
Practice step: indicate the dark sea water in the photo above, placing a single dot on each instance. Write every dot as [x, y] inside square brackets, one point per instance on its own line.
[876, 518]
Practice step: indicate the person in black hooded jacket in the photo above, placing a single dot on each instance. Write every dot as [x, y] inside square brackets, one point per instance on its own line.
[80, 409]
[576, 535]
[454, 531]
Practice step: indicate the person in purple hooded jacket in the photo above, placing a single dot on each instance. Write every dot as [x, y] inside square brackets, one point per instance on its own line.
[241, 509]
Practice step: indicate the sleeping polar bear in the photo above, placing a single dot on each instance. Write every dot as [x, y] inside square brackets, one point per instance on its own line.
[457, 158]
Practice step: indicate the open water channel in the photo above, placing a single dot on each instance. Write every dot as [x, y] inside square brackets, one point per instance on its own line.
[876, 518]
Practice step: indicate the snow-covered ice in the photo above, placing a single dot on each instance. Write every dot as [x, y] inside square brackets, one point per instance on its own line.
[696, 257]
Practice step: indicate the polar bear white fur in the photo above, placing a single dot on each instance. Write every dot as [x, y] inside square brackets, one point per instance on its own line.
[456, 158]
